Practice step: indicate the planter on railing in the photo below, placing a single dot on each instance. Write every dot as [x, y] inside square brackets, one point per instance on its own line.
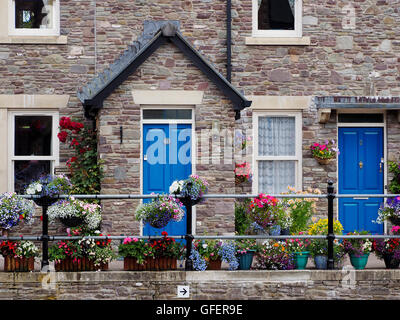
[82, 264]
[12, 264]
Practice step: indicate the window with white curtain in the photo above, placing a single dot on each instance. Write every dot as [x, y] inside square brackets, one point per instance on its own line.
[277, 18]
[277, 148]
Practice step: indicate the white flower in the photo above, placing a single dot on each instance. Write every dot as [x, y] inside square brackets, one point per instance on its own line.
[175, 186]
[38, 187]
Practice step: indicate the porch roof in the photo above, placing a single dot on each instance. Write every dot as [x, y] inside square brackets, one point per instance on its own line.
[155, 34]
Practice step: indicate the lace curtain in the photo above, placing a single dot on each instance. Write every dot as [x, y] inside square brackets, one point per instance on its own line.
[276, 137]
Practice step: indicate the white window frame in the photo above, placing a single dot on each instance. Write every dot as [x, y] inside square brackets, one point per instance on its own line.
[298, 147]
[55, 31]
[298, 20]
[55, 145]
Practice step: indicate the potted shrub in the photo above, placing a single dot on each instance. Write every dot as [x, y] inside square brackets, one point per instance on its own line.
[388, 250]
[390, 212]
[274, 255]
[192, 189]
[300, 250]
[13, 210]
[245, 250]
[136, 253]
[74, 212]
[19, 255]
[300, 209]
[358, 249]
[165, 253]
[82, 255]
[48, 187]
[319, 247]
[324, 153]
[159, 212]
[209, 254]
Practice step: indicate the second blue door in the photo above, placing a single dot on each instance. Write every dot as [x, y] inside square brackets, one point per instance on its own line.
[166, 158]
[360, 172]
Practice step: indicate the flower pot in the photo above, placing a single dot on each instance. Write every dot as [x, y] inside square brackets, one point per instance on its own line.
[214, 264]
[390, 262]
[323, 161]
[246, 259]
[395, 221]
[321, 262]
[301, 259]
[359, 262]
[12, 264]
[83, 264]
[240, 179]
[71, 222]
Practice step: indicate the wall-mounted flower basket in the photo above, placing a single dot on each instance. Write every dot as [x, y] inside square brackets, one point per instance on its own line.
[323, 161]
[82, 264]
[12, 264]
[71, 222]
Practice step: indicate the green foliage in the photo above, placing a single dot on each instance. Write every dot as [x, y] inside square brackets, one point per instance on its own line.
[394, 185]
[135, 248]
[242, 220]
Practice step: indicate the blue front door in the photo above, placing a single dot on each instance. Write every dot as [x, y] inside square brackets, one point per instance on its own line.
[166, 158]
[360, 172]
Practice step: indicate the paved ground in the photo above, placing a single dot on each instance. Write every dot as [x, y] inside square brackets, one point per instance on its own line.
[118, 265]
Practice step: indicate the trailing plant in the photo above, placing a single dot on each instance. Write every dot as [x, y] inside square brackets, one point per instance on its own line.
[49, 185]
[193, 187]
[85, 166]
[387, 247]
[389, 211]
[328, 150]
[160, 211]
[14, 209]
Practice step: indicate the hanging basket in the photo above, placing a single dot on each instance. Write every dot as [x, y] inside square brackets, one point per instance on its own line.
[240, 179]
[71, 222]
[45, 201]
[323, 161]
[159, 223]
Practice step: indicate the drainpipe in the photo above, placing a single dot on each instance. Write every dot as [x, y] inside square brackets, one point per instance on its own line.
[229, 40]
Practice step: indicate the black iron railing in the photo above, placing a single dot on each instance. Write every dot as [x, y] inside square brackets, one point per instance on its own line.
[45, 238]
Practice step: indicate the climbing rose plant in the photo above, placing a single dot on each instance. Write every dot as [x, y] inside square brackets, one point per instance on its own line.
[85, 167]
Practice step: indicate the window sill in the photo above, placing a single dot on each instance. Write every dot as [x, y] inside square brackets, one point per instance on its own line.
[272, 41]
[34, 40]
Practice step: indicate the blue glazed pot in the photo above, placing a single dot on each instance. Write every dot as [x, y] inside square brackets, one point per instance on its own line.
[321, 262]
[246, 259]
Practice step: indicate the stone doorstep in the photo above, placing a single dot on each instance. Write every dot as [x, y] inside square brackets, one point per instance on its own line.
[273, 276]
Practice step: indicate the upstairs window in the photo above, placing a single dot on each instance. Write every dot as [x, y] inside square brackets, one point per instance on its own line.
[34, 17]
[277, 18]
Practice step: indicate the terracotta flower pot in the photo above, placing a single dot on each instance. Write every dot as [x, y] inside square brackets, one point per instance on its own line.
[83, 264]
[12, 264]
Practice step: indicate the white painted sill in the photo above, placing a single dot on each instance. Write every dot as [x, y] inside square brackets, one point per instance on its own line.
[276, 41]
[34, 40]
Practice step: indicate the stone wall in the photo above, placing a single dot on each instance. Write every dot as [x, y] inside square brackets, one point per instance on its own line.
[207, 285]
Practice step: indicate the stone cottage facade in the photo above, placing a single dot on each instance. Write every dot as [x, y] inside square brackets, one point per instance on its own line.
[310, 71]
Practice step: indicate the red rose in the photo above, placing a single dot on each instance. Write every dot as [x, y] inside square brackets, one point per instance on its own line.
[62, 136]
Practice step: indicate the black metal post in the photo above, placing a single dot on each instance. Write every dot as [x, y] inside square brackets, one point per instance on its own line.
[331, 235]
[45, 238]
[189, 235]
